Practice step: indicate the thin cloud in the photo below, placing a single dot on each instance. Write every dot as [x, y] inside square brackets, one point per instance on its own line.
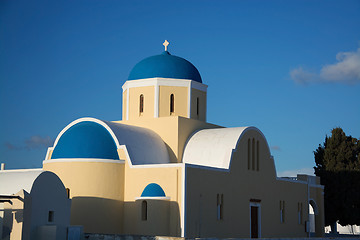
[275, 148]
[38, 142]
[11, 146]
[34, 142]
[345, 70]
[295, 172]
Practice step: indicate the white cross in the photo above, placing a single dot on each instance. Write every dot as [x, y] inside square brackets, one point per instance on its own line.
[166, 44]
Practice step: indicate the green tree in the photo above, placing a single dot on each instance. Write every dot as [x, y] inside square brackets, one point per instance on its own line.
[338, 166]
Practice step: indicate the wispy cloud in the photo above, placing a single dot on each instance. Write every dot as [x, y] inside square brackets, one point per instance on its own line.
[294, 172]
[11, 146]
[34, 142]
[275, 148]
[345, 70]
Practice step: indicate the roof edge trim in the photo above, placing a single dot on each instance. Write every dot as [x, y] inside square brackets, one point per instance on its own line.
[87, 119]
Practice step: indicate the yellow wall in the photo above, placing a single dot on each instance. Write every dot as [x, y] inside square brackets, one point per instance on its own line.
[137, 178]
[99, 184]
[180, 101]
[202, 104]
[158, 217]
[134, 102]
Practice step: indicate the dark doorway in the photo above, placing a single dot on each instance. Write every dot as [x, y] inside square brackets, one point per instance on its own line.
[254, 222]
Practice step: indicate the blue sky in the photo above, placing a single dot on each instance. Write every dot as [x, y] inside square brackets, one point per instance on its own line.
[290, 68]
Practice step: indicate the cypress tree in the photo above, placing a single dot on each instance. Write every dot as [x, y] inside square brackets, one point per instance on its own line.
[338, 166]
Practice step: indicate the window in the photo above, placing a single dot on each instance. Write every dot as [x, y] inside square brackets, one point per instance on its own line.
[257, 155]
[282, 211]
[144, 210]
[172, 109]
[253, 154]
[220, 206]
[141, 105]
[197, 107]
[299, 213]
[249, 153]
[68, 192]
[51, 216]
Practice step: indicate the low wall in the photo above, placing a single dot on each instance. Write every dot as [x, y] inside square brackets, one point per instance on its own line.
[137, 237]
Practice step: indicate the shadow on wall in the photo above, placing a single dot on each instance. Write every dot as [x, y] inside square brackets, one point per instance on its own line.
[154, 217]
[6, 229]
[108, 216]
[97, 215]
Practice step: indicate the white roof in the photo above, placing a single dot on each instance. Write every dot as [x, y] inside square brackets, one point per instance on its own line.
[213, 147]
[144, 146]
[12, 181]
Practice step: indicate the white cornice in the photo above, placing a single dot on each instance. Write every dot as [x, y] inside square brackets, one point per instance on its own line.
[164, 82]
[84, 160]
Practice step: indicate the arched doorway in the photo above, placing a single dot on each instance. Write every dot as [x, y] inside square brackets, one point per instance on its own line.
[313, 213]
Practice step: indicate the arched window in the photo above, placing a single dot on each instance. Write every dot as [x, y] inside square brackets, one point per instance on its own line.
[144, 210]
[249, 153]
[172, 101]
[253, 154]
[197, 107]
[68, 192]
[257, 155]
[141, 106]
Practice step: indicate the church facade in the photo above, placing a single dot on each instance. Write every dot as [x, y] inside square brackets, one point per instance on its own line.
[163, 170]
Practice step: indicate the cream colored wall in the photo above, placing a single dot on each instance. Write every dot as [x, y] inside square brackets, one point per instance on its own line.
[134, 102]
[158, 217]
[238, 187]
[202, 104]
[91, 184]
[173, 130]
[180, 101]
[137, 178]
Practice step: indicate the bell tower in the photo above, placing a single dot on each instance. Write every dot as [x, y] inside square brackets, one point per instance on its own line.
[164, 85]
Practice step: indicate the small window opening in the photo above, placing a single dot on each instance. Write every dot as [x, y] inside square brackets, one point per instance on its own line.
[172, 107]
[141, 106]
[220, 206]
[249, 153]
[144, 210]
[257, 155]
[68, 192]
[197, 107]
[282, 211]
[51, 216]
[253, 154]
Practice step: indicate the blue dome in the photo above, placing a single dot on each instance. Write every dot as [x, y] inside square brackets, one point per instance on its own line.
[153, 190]
[86, 140]
[165, 65]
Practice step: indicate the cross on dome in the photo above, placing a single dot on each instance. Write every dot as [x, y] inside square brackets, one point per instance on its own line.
[166, 44]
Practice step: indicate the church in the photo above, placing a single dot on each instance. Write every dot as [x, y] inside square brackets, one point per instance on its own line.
[163, 170]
